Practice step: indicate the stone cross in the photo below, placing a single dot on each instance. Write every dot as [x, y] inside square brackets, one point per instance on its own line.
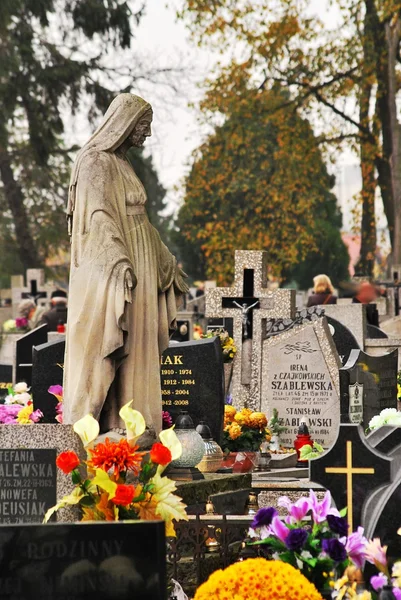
[249, 302]
[35, 289]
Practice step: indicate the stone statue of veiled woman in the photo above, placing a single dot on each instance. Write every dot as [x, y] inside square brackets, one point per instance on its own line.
[124, 282]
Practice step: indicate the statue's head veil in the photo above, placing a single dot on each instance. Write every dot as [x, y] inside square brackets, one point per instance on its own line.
[118, 123]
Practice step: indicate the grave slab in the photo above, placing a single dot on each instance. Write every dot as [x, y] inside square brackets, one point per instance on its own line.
[368, 384]
[86, 561]
[192, 379]
[300, 380]
[39, 437]
[47, 370]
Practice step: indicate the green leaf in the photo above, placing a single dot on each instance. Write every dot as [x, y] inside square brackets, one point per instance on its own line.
[87, 501]
[76, 477]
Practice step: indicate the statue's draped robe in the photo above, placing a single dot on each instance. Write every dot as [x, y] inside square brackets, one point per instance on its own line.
[124, 287]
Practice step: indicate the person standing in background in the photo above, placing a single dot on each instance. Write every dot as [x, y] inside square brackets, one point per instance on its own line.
[323, 292]
[56, 317]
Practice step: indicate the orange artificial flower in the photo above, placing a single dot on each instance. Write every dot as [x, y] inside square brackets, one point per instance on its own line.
[67, 462]
[124, 495]
[119, 456]
[160, 455]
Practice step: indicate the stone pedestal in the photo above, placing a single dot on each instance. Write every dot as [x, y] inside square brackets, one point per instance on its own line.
[47, 436]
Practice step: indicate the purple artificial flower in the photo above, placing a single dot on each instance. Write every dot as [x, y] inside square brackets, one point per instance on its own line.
[297, 510]
[338, 525]
[9, 412]
[166, 419]
[59, 412]
[378, 581]
[56, 390]
[264, 516]
[397, 593]
[36, 415]
[335, 549]
[355, 545]
[296, 539]
[278, 529]
[320, 510]
[229, 399]
[21, 322]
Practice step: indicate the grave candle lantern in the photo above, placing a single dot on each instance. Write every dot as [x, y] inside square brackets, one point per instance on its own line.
[193, 448]
[303, 439]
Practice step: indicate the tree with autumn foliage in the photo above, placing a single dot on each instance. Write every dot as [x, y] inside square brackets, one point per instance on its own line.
[346, 75]
[259, 182]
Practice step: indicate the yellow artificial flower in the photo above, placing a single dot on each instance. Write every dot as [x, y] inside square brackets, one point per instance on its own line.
[88, 429]
[396, 572]
[23, 415]
[169, 506]
[268, 434]
[229, 413]
[103, 481]
[168, 438]
[234, 431]
[258, 579]
[134, 422]
[69, 500]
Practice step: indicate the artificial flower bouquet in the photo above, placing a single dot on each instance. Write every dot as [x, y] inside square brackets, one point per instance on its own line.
[257, 579]
[227, 343]
[313, 538]
[18, 325]
[18, 407]
[244, 430]
[106, 493]
[388, 416]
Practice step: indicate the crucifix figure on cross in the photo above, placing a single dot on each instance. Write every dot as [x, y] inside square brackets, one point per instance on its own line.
[248, 302]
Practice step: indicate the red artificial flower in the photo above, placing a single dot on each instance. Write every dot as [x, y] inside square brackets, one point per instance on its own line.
[67, 462]
[124, 495]
[160, 454]
[119, 456]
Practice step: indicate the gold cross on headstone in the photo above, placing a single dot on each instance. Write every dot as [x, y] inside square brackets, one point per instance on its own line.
[349, 471]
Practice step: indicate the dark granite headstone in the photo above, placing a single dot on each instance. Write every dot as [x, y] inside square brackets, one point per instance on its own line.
[192, 378]
[344, 340]
[372, 379]
[352, 469]
[24, 348]
[85, 561]
[47, 370]
[375, 333]
[6, 378]
[28, 486]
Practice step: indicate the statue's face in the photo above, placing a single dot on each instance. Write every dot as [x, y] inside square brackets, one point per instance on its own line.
[142, 130]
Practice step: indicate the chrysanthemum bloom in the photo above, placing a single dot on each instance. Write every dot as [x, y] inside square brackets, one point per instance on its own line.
[229, 413]
[234, 431]
[119, 456]
[242, 417]
[257, 420]
[258, 579]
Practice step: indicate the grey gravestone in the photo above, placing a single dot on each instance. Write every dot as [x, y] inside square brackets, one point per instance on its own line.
[6, 378]
[28, 486]
[192, 379]
[24, 347]
[85, 561]
[300, 380]
[368, 384]
[352, 469]
[47, 370]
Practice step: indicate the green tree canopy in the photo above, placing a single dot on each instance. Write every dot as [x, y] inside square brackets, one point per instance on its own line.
[259, 182]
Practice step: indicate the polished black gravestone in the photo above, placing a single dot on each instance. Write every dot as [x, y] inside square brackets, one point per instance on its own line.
[47, 370]
[84, 561]
[368, 384]
[344, 340]
[375, 333]
[6, 379]
[28, 486]
[380, 515]
[192, 379]
[24, 347]
[352, 469]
